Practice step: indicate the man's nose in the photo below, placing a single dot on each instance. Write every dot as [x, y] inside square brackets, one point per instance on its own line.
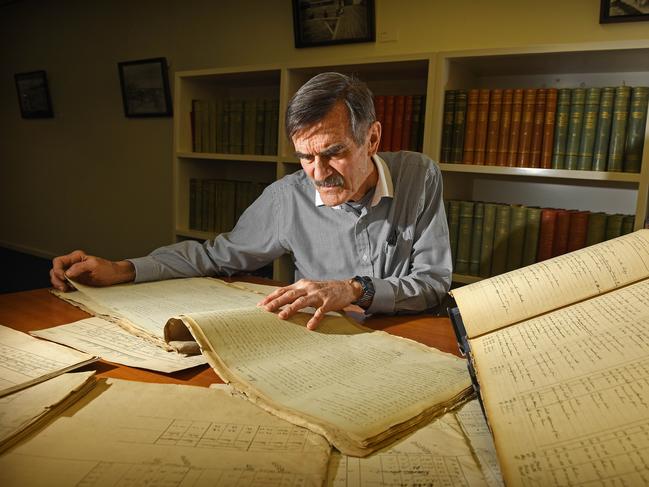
[321, 168]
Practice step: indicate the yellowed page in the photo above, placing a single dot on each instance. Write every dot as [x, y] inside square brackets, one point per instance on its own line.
[358, 388]
[114, 344]
[437, 454]
[129, 433]
[26, 410]
[25, 360]
[567, 393]
[524, 293]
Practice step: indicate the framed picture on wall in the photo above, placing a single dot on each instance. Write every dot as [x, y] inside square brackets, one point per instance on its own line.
[145, 88]
[327, 22]
[623, 11]
[34, 95]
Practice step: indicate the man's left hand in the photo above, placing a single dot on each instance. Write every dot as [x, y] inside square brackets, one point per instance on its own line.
[325, 296]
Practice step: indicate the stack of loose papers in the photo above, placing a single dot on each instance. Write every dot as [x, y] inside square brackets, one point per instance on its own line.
[25, 361]
[128, 433]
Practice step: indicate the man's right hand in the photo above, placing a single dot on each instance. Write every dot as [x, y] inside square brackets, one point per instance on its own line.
[89, 270]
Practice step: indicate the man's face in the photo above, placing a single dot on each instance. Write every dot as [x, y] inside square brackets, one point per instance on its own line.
[341, 170]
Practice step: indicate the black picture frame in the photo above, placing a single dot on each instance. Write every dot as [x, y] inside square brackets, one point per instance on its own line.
[145, 87]
[34, 95]
[330, 22]
[613, 11]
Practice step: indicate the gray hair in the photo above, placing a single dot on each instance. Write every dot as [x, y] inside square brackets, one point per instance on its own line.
[315, 99]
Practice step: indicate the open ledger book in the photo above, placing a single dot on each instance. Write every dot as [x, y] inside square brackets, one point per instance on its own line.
[359, 388]
[560, 350]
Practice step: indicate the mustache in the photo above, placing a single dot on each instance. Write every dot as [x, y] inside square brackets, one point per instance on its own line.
[330, 182]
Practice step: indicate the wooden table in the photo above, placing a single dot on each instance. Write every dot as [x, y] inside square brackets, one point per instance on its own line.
[38, 309]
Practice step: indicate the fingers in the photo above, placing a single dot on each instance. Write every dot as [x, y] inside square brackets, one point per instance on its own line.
[274, 295]
[287, 297]
[61, 264]
[57, 282]
[300, 303]
[80, 270]
[317, 317]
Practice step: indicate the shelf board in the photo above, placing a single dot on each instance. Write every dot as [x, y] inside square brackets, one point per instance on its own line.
[621, 177]
[197, 234]
[465, 278]
[227, 157]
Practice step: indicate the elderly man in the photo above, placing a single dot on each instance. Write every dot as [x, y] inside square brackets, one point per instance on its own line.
[361, 228]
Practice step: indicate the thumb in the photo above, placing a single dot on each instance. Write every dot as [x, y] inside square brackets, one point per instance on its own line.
[78, 269]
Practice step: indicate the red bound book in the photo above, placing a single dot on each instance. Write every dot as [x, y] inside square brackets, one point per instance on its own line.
[397, 122]
[379, 110]
[537, 130]
[548, 127]
[505, 127]
[481, 127]
[469, 131]
[515, 131]
[578, 230]
[546, 233]
[387, 126]
[493, 127]
[560, 242]
[407, 122]
[527, 126]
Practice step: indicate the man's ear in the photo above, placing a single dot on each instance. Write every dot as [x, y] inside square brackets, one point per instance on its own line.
[374, 137]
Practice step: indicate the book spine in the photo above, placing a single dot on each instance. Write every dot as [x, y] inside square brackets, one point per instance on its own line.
[628, 223]
[274, 128]
[537, 128]
[574, 127]
[218, 117]
[613, 226]
[493, 126]
[501, 234]
[389, 118]
[193, 186]
[471, 122]
[549, 120]
[516, 237]
[561, 129]
[596, 231]
[459, 125]
[532, 226]
[514, 136]
[618, 128]
[422, 123]
[211, 130]
[198, 216]
[481, 127]
[225, 141]
[259, 128]
[546, 234]
[453, 227]
[416, 118]
[197, 124]
[589, 128]
[486, 246]
[504, 130]
[476, 239]
[250, 126]
[635, 133]
[407, 123]
[527, 127]
[560, 242]
[268, 122]
[397, 122]
[236, 126]
[577, 230]
[603, 132]
[464, 238]
[379, 112]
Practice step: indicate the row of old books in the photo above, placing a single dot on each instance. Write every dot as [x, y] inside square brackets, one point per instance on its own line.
[488, 239]
[402, 121]
[215, 205]
[235, 126]
[598, 129]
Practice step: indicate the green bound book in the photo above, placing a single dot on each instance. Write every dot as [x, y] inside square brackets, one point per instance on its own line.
[453, 227]
[577, 105]
[618, 128]
[225, 123]
[532, 226]
[459, 124]
[197, 114]
[447, 126]
[205, 126]
[591, 112]
[464, 238]
[596, 232]
[476, 239]
[516, 236]
[603, 131]
[259, 126]
[198, 210]
[635, 129]
[501, 238]
[236, 126]
[249, 126]
[627, 224]
[274, 128]
[193, 188]
[415, 122]
[561, 129]
[487, 244]
[613, 226]
[211, 131]
[218, 116]
[268, 122]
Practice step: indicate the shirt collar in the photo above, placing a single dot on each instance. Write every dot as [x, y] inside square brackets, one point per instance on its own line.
[383, 189]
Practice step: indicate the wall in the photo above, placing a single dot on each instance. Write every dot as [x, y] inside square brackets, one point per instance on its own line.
[91, 178]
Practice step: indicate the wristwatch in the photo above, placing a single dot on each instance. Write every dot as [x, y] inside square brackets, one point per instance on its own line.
[367, 296]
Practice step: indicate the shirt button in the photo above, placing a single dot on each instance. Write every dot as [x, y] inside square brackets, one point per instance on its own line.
[365, 257]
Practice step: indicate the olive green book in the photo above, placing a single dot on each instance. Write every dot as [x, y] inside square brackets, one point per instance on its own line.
[211, 129]
[603, 132]
[194, 188]
[259, 126]
[627, 224]
[225, 126]
[459, 125]
[218, 130]
[453, 227]
[596, 228]
[501, 239]
[476, 238]
[587, 142]
[249, 125]
[561, 129]
[532, 226]
[613, 226]
[447, 126]
[635, 129]
[487, 243]
[197, 116]
[618, 128]
[516, 236]
[577, 105]
[464, 238]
